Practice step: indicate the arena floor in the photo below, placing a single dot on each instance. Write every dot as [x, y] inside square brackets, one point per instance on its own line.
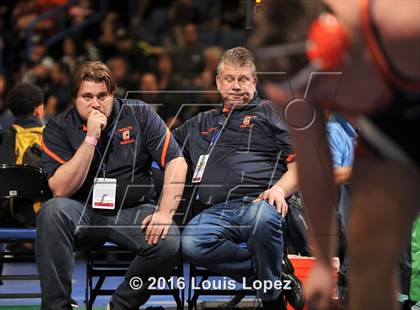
[79, 280]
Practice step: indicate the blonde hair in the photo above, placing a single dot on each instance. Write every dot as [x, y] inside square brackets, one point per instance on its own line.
[238, 56]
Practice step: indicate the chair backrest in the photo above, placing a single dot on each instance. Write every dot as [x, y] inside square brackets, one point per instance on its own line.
[23, 181]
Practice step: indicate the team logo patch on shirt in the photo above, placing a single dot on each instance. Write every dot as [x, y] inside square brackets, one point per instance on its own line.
[126, 134]
[247, 121]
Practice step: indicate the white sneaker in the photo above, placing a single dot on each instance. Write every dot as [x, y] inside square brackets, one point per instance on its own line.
[74, 304]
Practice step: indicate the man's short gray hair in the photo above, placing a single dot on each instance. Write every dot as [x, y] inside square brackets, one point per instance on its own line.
[238, 56]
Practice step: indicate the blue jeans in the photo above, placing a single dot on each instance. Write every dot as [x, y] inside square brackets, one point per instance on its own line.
[64, 224]
[211, 239]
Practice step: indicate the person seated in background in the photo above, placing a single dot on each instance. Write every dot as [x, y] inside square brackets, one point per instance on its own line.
[6, 116]
[342, 139]
[21, 144]
[242, 159]
[107, 144]
[342, 142]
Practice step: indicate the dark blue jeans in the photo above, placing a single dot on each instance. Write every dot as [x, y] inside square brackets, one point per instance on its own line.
[64, 224]
[211, 239]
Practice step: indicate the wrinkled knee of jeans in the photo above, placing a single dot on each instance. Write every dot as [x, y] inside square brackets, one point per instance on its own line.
[52, 211]
[193, 246]
[171, 244]
[189, 247]
[268, 219]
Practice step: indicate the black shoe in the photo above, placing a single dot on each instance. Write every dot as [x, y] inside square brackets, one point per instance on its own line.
[276, 304]
[287, 266]
[293, 291]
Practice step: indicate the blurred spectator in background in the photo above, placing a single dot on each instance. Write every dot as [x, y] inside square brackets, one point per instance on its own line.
[23, 14]
[72, 52]
[25, 11]
[121, 74]
[165, 72]
[168, 81]
[82, 10]
[181, 13]
[184, 12]
[232, 15]
[1, 40]
[39, 49]
[106, 42]
[149, 89]
[39, 65]
[6, 116]
[342, 139]
[147, 7]
[204, 81]
[128, 47]
[39, 73]
[212, 55]
[81, 16]
[117, 40]
[58, 90]
[189, 57]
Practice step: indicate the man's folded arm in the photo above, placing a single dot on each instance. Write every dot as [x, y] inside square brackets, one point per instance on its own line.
[67, 171]
[70, 176]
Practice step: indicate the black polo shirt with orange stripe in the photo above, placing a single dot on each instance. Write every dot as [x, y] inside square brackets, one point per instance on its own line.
[134, 137]
[250, 155]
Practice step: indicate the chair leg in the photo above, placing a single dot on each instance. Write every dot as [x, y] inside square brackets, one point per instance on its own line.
[191, 272]
[182, 299]
[2, 247]
[94, 292]
[196, 295]
[235, 300]
[88, 284]
[177, 299]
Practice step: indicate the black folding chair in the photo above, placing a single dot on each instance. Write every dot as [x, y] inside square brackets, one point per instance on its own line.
[20, 182]
[23, 181]
[99, 267]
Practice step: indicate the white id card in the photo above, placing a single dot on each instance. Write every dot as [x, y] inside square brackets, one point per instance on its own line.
[199, 170]
[104, 193]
